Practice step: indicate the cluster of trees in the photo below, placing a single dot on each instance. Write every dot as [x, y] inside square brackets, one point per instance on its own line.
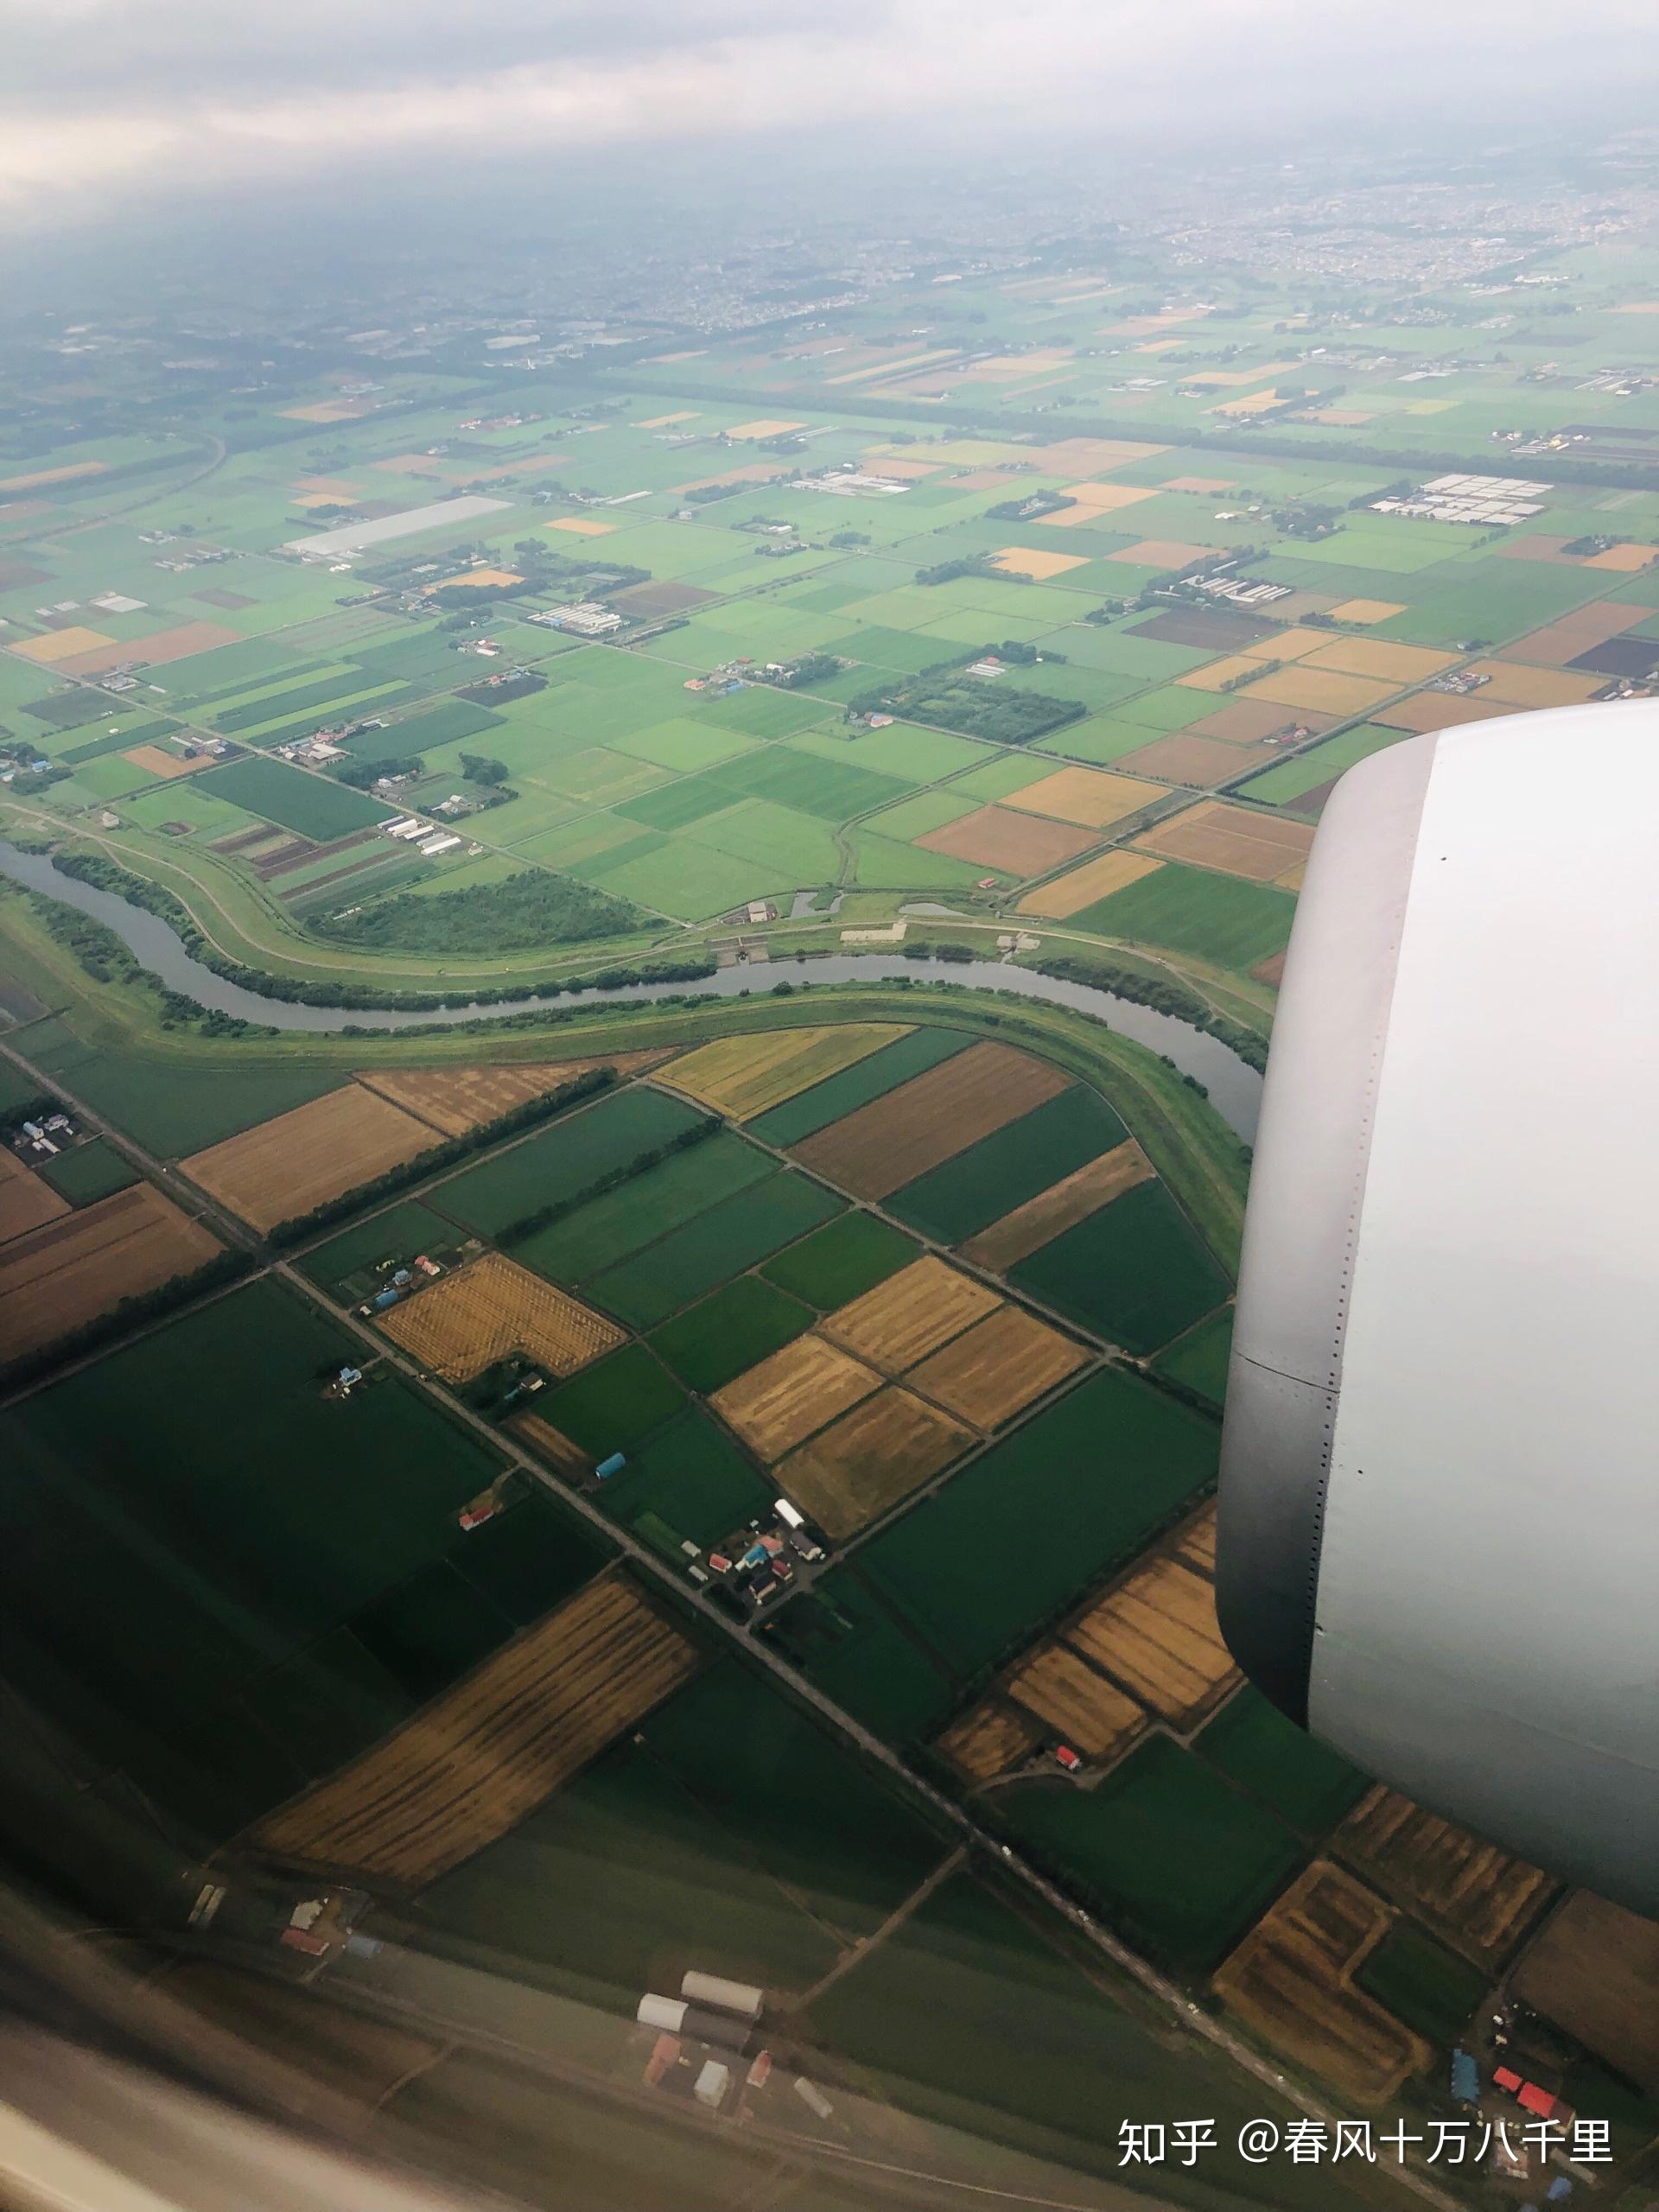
[530, 1225]
[976, 564]
[811, 668]
[524, 913]
[363, 775]
[1030, 508]
[944, 698]
[1162, 995]
[525, 1115]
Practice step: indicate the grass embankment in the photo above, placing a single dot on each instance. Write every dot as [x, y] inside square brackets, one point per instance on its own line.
[1187, 1141]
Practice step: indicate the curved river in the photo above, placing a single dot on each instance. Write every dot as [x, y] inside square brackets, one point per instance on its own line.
[1234, 1086]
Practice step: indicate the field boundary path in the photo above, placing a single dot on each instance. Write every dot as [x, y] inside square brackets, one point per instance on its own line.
[658, 1574]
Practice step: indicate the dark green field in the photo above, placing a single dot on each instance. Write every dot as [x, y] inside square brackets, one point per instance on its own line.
[1001, 1171]
[867, 1078]
[1137, 1272]
[854, 1650]
[736, 1838]
[687, 1480]
[1213, 916]
[842, 1261]
[215, 1582]
[1199, 1358]
[609, 1228]
[1183, 1863]
[1035, 1520]
[713, 1341]
[750, 1225]
[1423, 1984]
[147, 1099]
[557, 1165]
[89, 1172]
[1303, 1781]
[401, 1231]
[309, 805]
[968, 2015]
[612, 1405]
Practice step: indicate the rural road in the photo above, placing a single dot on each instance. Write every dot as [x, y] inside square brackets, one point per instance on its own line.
[957, 1820]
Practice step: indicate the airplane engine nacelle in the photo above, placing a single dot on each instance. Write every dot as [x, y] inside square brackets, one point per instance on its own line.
[1439, 1493]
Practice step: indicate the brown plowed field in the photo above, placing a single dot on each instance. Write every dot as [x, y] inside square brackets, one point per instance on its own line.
[1083, 887]
[1430, 711]
[989, 1739]
[776, 1404]
[910, 1314]
[873, 1456]
[1291, 1980]
[296, 1160]
[1593, 1970]
[1018, 1234]
[551, 1444]
[26, 1202]
[1091, 1714]
[488, 1751]
[1157, 1635]
[1479, 1899]
[742, 1076]
[1560, 641]
[1017, 844]
[1000, 1364]
[161, 645]
[158, 761]
[54, 1278]
[1185, 760]
[491, 1308]
[1232, 838]
[455, 1100]
[932, 1117]
[1247, 722]
[1086, 796]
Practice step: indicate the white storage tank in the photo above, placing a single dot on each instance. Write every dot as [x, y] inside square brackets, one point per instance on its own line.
[740, 1997]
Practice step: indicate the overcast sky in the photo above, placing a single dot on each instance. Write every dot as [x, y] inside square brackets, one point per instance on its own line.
[149, 94]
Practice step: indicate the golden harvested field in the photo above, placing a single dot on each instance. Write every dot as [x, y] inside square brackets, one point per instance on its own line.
[894, 1138]
[1234, 839]
[285, 1167]
[1247, 722]
[775, 1405]
[26, 1201]
[989, 1738]
[584, 525]
[1294, 645]
[492, 1306]
[1624, 558]
[1367, 610]
[1507, 685]
[1023, 561]
[849, 1473]
[552, 1446]
[1083, 887]
[1593, 1970]
[68, 1271]
[742, 1076]
[1086, 796]
[1091, 1714]
[1322, 688]
[477, 580]
[1094, 499]
[35, 478]
[1216, 675]
[1018, 1234]
[1157, 1635]
[1196, 1545]
[766, 426]
[997, 1366]
[1479, 1899]
[488, 1751]
[1291, 1979]
[455, 1100]
[60, 645]
[1390, 664]
[910, 1314]
[1014, 843]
